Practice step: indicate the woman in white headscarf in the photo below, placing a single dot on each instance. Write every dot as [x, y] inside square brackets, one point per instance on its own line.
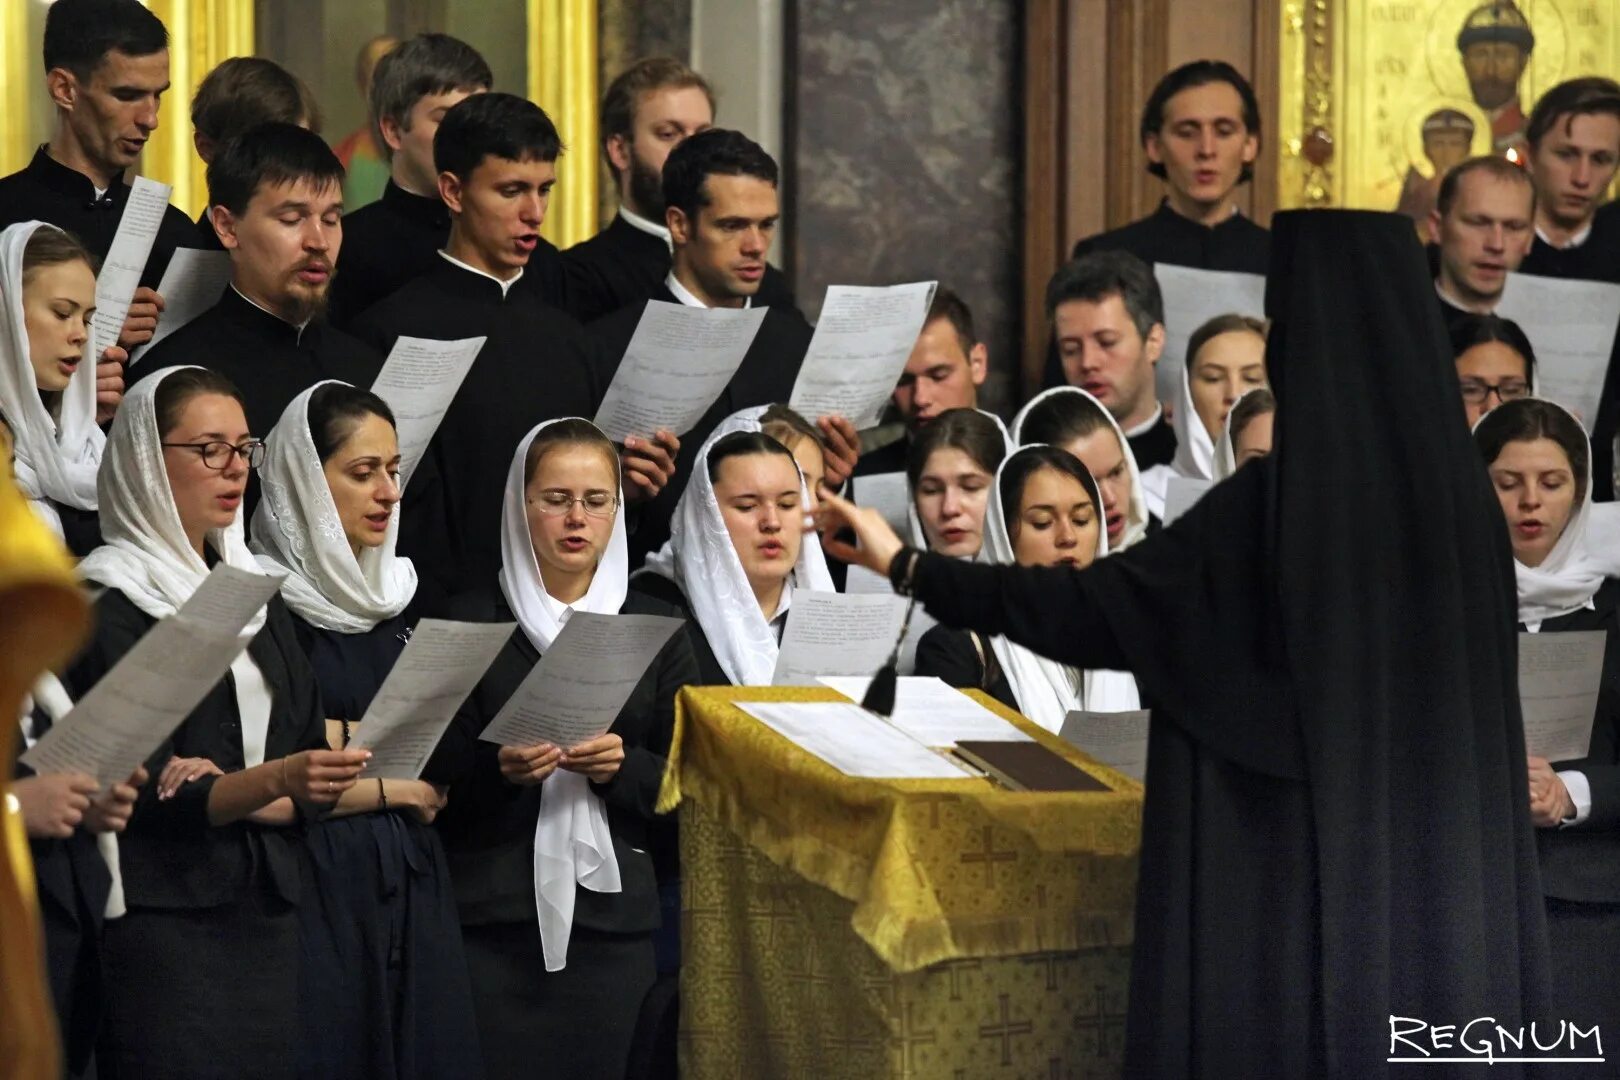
[201, 972]
[950, 473]
[1071, 419]
[1226, 357]
[47, 390]
[737, 551]
[1045, 513]
[1566, 556]
[552, 849]
[1246, 434]
[328, 520]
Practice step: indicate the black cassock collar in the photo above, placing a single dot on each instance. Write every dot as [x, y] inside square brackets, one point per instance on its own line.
[55, 177]
[417, 209]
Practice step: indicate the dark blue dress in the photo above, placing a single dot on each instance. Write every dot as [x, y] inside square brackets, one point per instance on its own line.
[383, 987]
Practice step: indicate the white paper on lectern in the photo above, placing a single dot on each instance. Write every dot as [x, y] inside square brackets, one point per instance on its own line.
[1181, 494]
[1560, 676]
[677, 364]
[427, 684]
[576, 690]
[852, 740]
[1117, 739]
[1192, 298]
[932, 712]
[126, 259]
[887, 493]
[419, 380]
[126, 716]
[859, 581]
[859, 349]
[837, 634]
[193, 282]
[1571, 327]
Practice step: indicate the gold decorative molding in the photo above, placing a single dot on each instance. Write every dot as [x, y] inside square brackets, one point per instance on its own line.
[201, 34]
[562, 67]
[18, 85]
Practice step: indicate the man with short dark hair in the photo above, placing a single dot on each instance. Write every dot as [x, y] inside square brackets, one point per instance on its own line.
[1200, 130]
[106, 66]
[1108, 318]
[1574, 139]
[241, 93]
[1483, 224]
[720, 195]
[647, 110]
[496, 156]
[944, 371]
[398, 237]
[276, 199]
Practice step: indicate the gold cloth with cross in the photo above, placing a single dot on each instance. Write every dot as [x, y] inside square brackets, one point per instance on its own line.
[844, 927]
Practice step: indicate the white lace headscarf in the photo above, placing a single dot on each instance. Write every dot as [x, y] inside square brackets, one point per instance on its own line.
[1136, 513]
[56, 459]
[296, 531]
[700, 559]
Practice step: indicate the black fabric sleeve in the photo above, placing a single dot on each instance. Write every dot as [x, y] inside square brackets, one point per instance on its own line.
[949, 655]
[1047, 609]
[634, 788]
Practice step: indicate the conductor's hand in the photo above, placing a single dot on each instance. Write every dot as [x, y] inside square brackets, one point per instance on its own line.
[529, 764]
[649, 465]
[322, 776]
[596, 759]
[875, 543]
[1550, 803]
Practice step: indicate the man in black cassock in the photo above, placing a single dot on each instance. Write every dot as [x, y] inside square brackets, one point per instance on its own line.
[1201, 132]
[241, 93]
[1336, 830]
[647, 110]
[1481, 227]
[396, 239]
[1574, 137]
[496, 156]
[720, 188]
[1108, 321]
[106, 65]
[944, 371]
[266, 333]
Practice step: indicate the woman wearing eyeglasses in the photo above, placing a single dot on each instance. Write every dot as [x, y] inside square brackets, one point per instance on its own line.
[1495, 363]
[381, 942]
[201, 972]
[560, 959]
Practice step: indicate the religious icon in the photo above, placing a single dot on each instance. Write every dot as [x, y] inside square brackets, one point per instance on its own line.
[1401, 90]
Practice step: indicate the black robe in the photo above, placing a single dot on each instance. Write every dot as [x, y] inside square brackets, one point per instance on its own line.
[538, 364]
[46, 190]
[767, 375]
[270, 361]
[202, 972]
[622, 266]
[1156, 445]
[389, 243]
[380, 943]
[1595, 259]
[951, 656]
[584, 1014]
[1336, 827]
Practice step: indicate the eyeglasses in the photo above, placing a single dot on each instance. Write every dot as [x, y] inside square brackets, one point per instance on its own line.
[1476, 391]
[558, 503]
[217, 454]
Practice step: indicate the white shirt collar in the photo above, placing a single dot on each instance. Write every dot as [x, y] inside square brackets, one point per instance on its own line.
[778, 621]
[1146, 425]
[1535, 627]
[684, 295]
[1574, 241]
[506, 286]
[300, 327]
[651, 228]
[1448, 298]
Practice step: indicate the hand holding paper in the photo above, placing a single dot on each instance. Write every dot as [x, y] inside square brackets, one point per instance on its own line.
[859, 349]
[125, 262]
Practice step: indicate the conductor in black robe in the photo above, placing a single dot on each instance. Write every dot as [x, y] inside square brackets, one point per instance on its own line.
[266, 333]
[106, 65]
[646, 111]
[536, 364]
[1336, 828]
[720, 187]
[1200, 130]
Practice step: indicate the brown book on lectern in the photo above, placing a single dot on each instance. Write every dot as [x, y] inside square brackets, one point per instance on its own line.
[1027, 766]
